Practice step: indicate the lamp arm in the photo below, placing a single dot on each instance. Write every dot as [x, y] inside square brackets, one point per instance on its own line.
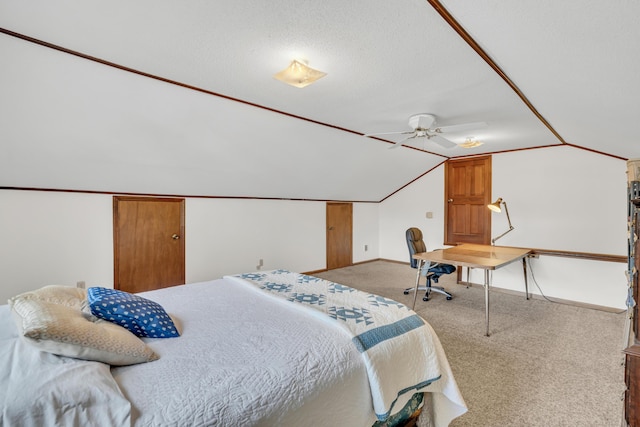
[506, 210]
[493, 241]
[511, 227]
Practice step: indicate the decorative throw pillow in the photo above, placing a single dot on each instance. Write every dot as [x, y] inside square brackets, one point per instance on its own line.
[64, 330]
[57, 294]
[143, 317]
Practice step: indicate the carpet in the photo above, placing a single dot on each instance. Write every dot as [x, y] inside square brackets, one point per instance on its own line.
[545, 364]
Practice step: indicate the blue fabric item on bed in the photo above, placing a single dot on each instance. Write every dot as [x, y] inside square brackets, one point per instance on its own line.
[143, 317]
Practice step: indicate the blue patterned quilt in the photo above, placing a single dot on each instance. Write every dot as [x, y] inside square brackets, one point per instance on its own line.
[400, 350]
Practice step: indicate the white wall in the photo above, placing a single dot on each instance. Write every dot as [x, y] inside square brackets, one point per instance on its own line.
[52, 238]
[62, 238]
[366, 218]
[558, 198]
[408, 208]
[229, 236]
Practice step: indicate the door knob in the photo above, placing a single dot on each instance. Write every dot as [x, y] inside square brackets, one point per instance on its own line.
[175, 237]
[450, 200]
[330, 228]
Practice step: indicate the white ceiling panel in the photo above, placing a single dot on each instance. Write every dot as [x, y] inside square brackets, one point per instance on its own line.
[228, 128]
[577, 62]
[110, 130]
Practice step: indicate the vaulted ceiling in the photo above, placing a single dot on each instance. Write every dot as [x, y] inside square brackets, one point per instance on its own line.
[178, 98]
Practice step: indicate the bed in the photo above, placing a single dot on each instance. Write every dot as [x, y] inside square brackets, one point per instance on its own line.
[259, 349]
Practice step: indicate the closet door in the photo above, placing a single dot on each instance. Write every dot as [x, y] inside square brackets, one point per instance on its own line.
[148, 236]
[339, 235]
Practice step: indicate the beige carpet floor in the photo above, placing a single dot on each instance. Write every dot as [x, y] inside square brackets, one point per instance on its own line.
[545, 364]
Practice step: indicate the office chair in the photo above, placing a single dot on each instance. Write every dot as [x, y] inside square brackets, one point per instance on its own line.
[432, 272]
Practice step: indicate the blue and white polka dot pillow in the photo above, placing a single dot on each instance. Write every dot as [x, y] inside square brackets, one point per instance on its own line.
[143, 317]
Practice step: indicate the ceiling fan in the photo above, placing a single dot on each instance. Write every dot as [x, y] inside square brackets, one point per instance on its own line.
[422, 128]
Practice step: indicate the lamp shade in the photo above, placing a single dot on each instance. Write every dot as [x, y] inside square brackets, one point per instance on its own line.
[495, 206]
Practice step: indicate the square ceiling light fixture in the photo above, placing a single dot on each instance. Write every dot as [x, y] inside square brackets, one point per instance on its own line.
[471, 143]
[299, 74]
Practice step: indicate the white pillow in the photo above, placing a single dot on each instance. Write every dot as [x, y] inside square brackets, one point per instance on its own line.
[58, 294]
[52, 320]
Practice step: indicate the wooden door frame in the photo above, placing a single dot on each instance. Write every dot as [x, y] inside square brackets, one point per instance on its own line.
[116, 254]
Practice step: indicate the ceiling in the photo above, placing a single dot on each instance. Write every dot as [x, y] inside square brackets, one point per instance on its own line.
[174, 98]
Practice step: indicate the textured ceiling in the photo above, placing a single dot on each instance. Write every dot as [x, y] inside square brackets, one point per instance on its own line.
[164, 97]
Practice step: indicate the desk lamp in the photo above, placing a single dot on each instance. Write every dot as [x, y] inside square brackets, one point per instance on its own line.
[495, 206]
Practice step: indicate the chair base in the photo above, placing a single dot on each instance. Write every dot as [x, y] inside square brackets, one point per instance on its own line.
[428, 290]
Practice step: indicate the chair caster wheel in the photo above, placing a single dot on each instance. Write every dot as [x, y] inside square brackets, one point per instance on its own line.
[425, 299]
[406, 292]
[449, 298]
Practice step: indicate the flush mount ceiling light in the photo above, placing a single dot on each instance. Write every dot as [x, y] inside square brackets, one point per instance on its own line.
[299, 74]
[471, 143]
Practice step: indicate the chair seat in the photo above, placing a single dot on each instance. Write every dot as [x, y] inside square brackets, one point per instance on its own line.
[441, 269]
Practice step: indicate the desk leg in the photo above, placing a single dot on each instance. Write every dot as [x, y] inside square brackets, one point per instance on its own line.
[524, 270]
[486, 299]
[415, 291]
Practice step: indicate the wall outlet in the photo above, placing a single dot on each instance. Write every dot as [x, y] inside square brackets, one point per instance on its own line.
[81, 285]
[429, 215]
[260, 264]
[366, 248]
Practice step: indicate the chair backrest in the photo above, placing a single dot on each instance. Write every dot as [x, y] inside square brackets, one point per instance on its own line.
[415, 244]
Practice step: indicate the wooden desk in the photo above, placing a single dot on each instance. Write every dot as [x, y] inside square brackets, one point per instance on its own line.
[486, 257]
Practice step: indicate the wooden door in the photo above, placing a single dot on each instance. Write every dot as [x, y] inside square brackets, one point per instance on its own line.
[148, 235]
[339, 235]
[467, 193]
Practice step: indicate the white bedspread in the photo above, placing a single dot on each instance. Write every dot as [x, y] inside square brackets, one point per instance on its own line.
[41, 389]
[279, 365]
[400, 351]
[246, 360]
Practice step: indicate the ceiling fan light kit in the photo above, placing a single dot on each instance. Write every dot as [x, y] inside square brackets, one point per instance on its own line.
[470, 143]
[299, 74]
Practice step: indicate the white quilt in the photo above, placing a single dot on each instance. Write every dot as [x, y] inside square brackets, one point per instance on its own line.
[400, 351]
[41, 389]
[246, 360]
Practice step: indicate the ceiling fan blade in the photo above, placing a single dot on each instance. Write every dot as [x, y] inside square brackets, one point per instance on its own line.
[443, 142]
[461, 127]
[390, 133]
[400, 143]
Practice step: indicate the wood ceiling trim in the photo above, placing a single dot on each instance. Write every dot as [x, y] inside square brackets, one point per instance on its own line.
[412, 181]
[167, 195]
[444, 13]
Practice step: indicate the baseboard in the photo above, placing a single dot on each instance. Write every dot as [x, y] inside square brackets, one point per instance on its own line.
[392, 260]
[547, 299]
[504, 291]
[355, 263]
[534, 296]
[311, 273]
